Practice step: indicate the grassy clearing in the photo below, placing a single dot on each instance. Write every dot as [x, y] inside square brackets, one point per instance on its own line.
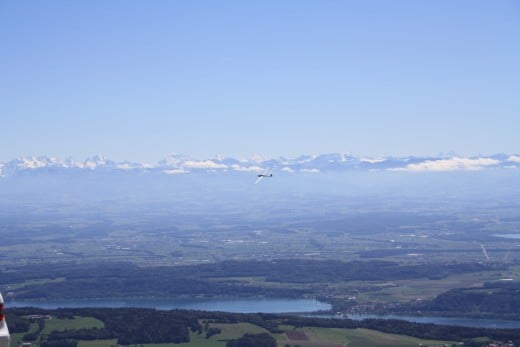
[323, 337]
[15, 339]
[229, 332]
[76, 323]
[97, 343]
[367, 338]
[318, 337]
[406, 290]
[234, 331]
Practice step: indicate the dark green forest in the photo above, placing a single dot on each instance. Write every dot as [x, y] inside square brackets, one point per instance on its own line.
[493, 299]
[139, 326]
[126, 280]
[253, 340]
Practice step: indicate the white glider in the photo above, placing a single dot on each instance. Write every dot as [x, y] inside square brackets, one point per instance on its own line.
[260, 176]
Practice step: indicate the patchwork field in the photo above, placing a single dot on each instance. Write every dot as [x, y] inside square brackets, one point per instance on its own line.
[307, 336]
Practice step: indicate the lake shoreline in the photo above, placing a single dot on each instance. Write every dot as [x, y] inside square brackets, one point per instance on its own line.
[302, 307]
[224, 304]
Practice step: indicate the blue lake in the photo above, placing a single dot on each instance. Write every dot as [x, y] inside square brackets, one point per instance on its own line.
[454, 321]
[253, 305]
[239, 305]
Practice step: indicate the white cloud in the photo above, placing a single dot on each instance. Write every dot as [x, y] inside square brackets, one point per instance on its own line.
[452, 164]
[255, 168]
[310, 170]
[372, 160]
[514, 158]
[129, 166]
[258, 158]
[287, 169]
[174, 171]
[207, 164]
[306, 158]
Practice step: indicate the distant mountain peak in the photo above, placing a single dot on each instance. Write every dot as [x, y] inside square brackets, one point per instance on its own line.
[316, 163]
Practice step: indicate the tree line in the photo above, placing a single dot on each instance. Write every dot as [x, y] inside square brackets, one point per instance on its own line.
[126, 280]
[493, 299]
[139, 326]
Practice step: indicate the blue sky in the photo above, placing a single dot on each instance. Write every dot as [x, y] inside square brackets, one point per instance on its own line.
[136, 80]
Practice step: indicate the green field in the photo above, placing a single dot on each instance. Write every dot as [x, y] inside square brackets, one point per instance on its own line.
[63, 324]
[324, 337]
[76, 323]
[318, 337]
[406, 290]
[97, 343]
[16, 338]
[229, 332]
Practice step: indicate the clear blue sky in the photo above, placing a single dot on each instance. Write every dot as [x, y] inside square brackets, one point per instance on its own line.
[137, 80]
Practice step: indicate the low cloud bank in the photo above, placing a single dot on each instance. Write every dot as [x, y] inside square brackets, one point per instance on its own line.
[451, 164]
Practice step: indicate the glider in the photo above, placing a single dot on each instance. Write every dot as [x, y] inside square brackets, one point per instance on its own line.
[260, 176]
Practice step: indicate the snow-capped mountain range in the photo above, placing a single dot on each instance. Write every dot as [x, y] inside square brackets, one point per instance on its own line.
[182, 164]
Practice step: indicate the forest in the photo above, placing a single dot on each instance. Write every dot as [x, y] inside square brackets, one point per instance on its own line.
[493, 299]
[94, 280]
[140, 326]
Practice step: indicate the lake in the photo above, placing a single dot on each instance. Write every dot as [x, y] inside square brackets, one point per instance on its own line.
[465, 322]
[239, 305]
[253, 305]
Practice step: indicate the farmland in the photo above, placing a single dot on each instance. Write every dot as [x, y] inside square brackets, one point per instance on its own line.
[284, 334]
[354, 247]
